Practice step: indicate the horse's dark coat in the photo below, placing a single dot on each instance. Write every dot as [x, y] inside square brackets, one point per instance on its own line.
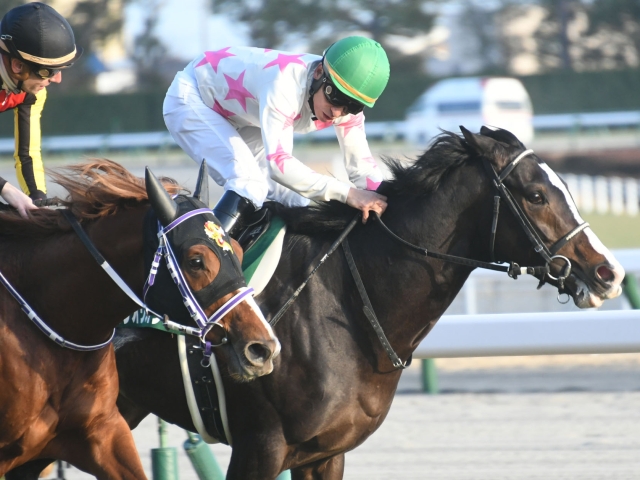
[333, 384]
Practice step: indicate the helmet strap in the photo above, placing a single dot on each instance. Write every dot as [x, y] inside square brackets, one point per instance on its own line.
[316, 83]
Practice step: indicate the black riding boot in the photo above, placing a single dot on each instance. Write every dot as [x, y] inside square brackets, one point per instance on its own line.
[229, 209]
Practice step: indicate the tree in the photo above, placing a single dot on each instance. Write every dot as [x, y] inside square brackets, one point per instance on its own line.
[589, 35]
[279, 23]
[148, 53]
[94, 23]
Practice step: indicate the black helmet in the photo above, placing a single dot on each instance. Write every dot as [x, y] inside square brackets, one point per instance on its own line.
[38, 35]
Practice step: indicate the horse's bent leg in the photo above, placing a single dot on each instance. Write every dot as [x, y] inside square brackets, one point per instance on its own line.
[132, 413]
[328, 469]
[255, 461]
[109, 454]
[29, 471]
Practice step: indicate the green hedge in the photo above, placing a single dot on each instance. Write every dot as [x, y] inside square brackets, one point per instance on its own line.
[142, 112]
[584, 92]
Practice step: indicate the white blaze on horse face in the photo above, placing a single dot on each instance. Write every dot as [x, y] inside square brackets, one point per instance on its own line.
[559, 184]
[254, 306]
[594, 242]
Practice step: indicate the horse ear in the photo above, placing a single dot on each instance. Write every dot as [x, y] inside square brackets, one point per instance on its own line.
[202, 184]
[482, 145]
[165, 207]
[502, 135]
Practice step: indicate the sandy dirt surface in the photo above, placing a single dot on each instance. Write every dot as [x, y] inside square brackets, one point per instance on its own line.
[524, 418]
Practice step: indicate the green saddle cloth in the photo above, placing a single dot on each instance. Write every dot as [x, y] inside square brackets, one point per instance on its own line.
[252, 258]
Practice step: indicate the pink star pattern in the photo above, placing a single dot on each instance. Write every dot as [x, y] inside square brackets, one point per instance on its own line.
[220, 110]
[370, 160]
[237, 90]
[283, 60]
[288, 119]
[279, 157]
[213, 58]
[372, 185]
[320, 125]
[356, 122]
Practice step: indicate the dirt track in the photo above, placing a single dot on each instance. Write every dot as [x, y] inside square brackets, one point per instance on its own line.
[522, 418]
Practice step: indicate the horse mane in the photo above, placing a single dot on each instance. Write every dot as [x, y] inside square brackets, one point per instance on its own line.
[96, 189]
[417, 179]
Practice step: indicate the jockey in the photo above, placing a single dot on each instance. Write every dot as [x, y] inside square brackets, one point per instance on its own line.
[239, 107]
[36, 42]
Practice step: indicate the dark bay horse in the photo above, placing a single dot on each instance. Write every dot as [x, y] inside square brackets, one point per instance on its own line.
[61, 403]
[333, 383]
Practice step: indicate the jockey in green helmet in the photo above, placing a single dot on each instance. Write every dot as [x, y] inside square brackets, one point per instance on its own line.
[355, 73]
[239, 108]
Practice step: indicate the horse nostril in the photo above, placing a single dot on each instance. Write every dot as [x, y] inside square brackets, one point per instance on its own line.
[258, 353]
[605, 273]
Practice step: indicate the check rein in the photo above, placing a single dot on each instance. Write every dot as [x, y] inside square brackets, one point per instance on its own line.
[513, 269]
[204, 324]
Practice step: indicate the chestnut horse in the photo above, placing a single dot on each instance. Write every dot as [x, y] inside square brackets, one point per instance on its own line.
[334, 382]
[61, 402]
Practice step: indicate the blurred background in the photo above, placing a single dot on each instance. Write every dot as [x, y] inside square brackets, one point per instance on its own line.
[577, 62]
[574, 97]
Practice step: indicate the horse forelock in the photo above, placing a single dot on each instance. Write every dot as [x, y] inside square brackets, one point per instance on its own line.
[96, 189]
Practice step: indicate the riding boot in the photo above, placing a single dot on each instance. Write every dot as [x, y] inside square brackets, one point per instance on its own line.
[229, 210]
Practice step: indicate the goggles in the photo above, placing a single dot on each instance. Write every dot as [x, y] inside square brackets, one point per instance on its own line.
[338, 99]
[43, 72]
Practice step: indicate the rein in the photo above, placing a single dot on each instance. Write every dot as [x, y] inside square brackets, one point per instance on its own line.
[513, 270]
[204, 324]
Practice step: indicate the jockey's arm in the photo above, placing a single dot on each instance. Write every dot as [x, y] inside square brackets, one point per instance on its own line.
[287, 170]
[28, 152]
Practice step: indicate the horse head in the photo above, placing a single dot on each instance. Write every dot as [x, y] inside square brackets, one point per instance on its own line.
[543, 212]
[209, 262]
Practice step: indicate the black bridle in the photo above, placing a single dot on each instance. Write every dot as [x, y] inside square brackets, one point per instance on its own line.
[513, 269]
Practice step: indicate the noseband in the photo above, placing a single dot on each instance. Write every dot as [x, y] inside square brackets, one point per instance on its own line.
[547, 253]
[204, 323]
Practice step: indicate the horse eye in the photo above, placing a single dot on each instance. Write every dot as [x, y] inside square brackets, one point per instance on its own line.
[196, 263]
[535, 198]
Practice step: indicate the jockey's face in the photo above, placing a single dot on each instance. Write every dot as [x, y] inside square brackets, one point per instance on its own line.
[323, 109]
[31, 83]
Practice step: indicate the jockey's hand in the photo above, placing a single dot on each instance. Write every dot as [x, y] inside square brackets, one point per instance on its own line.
[17, 199]
[366, 200]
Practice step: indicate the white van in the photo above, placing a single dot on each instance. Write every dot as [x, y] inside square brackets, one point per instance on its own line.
[471, 102]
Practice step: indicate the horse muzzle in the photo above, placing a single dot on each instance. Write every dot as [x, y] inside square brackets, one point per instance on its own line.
[603, 283]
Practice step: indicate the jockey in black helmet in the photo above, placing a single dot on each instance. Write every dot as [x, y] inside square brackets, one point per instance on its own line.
[36, 43]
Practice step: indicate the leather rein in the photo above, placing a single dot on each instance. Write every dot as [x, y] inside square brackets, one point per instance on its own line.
[513, 269]
[204, 324]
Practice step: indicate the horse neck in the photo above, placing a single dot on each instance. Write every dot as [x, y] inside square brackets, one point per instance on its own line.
[69, 290]
[410, 292]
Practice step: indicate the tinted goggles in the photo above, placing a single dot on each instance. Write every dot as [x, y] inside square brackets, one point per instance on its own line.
[338, 99]
[43, 72]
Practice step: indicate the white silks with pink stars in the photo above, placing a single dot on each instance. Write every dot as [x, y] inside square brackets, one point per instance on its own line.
[239, 107]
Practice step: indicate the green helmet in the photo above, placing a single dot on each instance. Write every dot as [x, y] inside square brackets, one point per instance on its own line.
[359, 67]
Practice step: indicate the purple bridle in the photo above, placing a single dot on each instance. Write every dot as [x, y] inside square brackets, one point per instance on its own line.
[205, 324]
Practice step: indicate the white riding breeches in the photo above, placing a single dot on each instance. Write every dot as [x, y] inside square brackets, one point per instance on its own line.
[235, 158]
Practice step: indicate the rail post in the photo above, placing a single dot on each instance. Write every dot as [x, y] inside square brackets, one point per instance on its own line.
[164, 460]
[202, 458]
[630, 288]
[429, 376]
